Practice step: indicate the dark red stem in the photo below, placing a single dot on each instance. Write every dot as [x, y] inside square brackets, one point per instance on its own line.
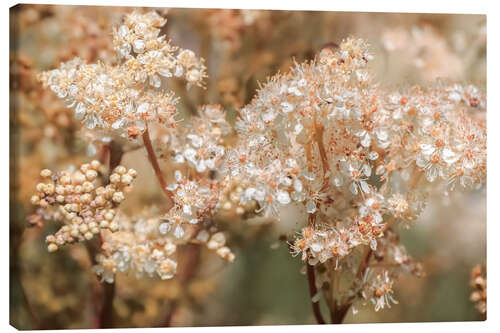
[313, 291]
[156, 167]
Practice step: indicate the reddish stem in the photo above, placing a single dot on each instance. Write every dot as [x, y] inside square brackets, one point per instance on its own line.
[189, 264]
[339, 314]
[365, 264]
[193, 252]
[106, 314]
[103, 153]
[104, 317]
[311, 279]
[313, 291]
[156, 167]
[115, 155]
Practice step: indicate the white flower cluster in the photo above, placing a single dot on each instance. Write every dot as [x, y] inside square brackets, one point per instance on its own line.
[139, 42]
[291, 145]
[106, 97]
[321, 135]
[354, 155]
[193, 201]
[145, 245]
[437, 131]
[121, 99]
[325, 242]
[378, 289]
[199, 143]
[138, 247]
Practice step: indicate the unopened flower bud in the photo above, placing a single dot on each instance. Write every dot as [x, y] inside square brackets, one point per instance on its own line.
[52, 247]
[45, 173]
[91, 175]
[35, 200]
[95, 164]
[120, 170]
[114, 178]
[78, 178]
[118, 197]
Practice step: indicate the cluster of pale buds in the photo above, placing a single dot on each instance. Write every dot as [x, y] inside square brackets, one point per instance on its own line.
[76, 198]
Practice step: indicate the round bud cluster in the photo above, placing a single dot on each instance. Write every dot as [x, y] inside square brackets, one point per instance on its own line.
[81, 203]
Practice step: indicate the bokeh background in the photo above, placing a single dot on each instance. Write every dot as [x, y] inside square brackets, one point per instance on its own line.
[241, 48]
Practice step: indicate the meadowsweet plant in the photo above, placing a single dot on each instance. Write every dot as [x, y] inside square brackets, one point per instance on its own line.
[118, 103]
[355, 159]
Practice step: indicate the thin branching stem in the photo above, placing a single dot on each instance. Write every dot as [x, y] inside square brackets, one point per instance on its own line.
[193, 251]
[113, 153]
[188, 269]
[311, 279]
[339, 314]
[156, 167]
[313, 291]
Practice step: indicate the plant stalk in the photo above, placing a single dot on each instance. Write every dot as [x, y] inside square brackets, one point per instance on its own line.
[156, 167]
